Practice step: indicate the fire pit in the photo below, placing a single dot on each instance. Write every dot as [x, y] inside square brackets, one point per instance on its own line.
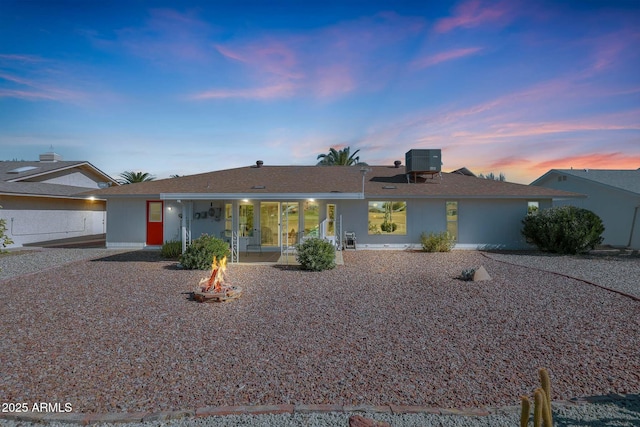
[213, 288]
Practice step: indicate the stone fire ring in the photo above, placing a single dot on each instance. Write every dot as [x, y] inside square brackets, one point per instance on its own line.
[227, 294]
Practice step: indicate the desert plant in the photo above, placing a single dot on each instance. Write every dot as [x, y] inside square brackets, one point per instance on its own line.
[171, 249]
[467, 274]
[564, 230]
[388, 227]
[201, 251]
[542, 414]
[440, 242]
[316, 254]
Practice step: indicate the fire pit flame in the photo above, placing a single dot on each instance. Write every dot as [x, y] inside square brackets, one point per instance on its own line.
[217, 275]
[214, 287]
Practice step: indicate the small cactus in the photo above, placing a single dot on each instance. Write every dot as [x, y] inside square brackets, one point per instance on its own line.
[538, 407]
[524, 413]
[545, 381]
[542, 415]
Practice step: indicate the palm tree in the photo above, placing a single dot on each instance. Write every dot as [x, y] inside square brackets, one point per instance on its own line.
[129, 177]
[340, 158]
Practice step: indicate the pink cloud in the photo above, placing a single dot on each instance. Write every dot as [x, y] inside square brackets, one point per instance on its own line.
[473, 13]
[527, 167]
[594, 160]
[273, 57]
[166, 37]
[323, 63]
[282, 90]
[445, 56]
[31, 89]
[23, 94]
[499, 131]
[333, 80]
[614, 48]
[20, 58]
[35, 78]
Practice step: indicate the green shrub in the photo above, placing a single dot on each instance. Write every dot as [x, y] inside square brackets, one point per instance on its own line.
[563, 230]
[4, 239]
[316, 254]
[171, 249]
[440, 242]
[200, 252]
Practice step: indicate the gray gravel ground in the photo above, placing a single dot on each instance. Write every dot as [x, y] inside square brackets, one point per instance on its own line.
[34, 260]
[118, 333]
[611, 269]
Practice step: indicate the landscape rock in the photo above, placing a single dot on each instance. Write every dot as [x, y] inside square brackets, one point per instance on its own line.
[481, 274]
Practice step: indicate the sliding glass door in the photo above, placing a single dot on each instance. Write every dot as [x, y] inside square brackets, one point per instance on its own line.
[279, 223]
[270, 223]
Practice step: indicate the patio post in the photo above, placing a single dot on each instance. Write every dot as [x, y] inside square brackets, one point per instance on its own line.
[183, 226]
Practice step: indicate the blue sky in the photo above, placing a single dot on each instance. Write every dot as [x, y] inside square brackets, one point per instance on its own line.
[511, 86]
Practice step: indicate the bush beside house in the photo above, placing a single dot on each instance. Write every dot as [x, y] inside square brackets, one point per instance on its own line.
[437, 242]
[316, 254]
[199, 254]
[563, 230]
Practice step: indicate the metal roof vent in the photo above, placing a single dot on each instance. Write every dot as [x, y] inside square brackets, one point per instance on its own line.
[259, 163]
[397, 164]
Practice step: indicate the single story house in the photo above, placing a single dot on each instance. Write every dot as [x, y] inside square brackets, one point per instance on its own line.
[614, 195]
[40, 200]
[263, 207]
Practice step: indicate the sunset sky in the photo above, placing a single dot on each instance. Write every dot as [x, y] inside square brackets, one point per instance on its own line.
[517, 87]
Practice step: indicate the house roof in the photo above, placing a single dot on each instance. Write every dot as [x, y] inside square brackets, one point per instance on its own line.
[17, 171]
[628, 180]
[324, 182]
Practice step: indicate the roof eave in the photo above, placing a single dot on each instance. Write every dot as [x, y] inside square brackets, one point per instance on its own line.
[473, 196]
[261, 196]
[51, 196]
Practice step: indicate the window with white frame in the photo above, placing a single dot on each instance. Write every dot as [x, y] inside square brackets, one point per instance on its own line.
[388, 217]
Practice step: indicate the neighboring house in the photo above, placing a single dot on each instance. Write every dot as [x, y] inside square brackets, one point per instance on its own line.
[40, 200]
[614, 195]
[274, 207]
[464, 171]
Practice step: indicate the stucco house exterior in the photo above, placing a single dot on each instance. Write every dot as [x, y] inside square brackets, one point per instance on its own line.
[614, 195]
[40, 200]
[265, 207]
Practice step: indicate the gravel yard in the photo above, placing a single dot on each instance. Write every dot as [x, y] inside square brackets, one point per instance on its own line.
[118, 333]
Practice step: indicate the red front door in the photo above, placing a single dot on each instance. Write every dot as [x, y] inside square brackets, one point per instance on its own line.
[155, 216]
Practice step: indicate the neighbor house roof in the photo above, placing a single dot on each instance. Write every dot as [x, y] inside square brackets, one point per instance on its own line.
[628, 180]
[464, 171]
[25, 178]
[18, 171]
[324, 182]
